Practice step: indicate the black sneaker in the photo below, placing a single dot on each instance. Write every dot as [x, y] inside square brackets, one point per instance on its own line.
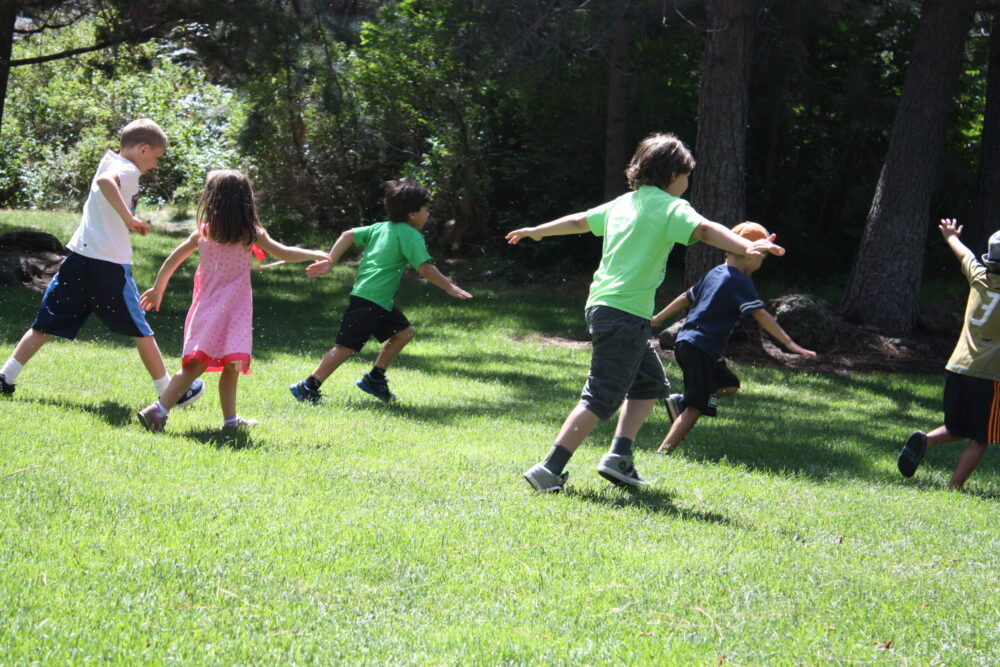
[912, 453]
[193, 393]
[303, 393]
[6, 388]
[377, 388]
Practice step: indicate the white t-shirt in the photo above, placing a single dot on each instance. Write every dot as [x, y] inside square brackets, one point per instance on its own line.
[102, 234]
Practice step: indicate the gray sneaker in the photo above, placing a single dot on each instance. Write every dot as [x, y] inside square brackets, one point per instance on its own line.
[541, 479]
[674, 407]
[620, 471]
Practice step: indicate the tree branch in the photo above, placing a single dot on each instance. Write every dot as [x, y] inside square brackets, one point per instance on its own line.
[143, 36]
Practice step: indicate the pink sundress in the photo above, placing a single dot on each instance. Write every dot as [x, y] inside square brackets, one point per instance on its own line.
[219, 325]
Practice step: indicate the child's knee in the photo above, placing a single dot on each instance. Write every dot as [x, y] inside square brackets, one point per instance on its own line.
[727, 391]
[406, 335]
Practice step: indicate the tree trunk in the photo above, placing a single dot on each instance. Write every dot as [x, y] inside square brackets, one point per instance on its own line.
[718, 188]
[988, 196]
[616, 128]
[8, 17]
[884, 285]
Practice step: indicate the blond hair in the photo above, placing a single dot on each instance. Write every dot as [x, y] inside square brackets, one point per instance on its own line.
[143, 131]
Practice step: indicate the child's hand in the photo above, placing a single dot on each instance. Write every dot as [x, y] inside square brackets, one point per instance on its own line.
[138, 226]
[765, 246]
[949, 227]
[656, 321]
[320, 268]
[458, 292]
[798, 349]
[150, 299]
[525, 232]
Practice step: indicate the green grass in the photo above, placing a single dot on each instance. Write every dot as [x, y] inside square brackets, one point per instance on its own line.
[352, 532]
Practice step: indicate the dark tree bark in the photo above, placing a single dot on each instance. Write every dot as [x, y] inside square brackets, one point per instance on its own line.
[718, 188]
[616, 127]
[884, 285]
[8, 17]
[988, 196]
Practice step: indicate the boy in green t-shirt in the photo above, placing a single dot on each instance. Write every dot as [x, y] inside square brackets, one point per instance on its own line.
[389, 247]
[639, 230]
[972, 377]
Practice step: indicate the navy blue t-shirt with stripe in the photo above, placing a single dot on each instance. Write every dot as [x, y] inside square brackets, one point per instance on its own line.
[718, 300]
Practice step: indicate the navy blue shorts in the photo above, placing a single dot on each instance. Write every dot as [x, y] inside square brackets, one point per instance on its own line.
[83, 286]
[703, 375]
[364, 319]
[623, 364]
[972, 407]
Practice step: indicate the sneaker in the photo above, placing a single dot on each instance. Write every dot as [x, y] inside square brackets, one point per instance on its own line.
[194, 392]
[912, 453]
[674, 407]
[541, 479]
[377, 388]
[240, 423]
[6, 388]
[620, 471]
[152, 418]
[303, 393]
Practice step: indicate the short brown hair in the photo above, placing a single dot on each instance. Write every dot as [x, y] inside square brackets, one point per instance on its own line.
[657, 160]
[226, 206]
[143, 131]
[404, 197]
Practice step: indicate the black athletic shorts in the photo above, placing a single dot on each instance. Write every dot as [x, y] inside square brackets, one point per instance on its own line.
[364, 319]
[703, 375]
[972, 407]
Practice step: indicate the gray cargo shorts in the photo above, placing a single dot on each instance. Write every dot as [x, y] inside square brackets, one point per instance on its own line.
[624, 363]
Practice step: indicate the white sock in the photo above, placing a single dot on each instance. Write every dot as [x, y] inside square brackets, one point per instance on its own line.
[161, 385]
[11, 369]
[161, 409]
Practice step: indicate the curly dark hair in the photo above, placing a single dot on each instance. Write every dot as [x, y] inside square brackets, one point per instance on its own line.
[226, 205]
[404, 197]
[657, 160]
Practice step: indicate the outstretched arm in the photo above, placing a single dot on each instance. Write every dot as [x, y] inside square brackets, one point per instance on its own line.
[340, 246]
[574, 223]
[674, 307]
[284, 252]
[771, 326]
[431, 274]
[951, 230]
[723, 238]
[151, 298]
[110, 188]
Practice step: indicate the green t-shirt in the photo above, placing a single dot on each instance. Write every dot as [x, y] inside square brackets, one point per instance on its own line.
[977, 351]
[639, 230]
[389, 247]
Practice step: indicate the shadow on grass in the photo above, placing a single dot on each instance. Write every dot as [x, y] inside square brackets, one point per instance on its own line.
[235, 439]
[115, 414]
[650, 499]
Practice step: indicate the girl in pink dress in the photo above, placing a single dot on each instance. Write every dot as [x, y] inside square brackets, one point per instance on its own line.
[218, 331]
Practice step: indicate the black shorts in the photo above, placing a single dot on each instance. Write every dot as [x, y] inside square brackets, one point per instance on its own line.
[703, 375]
[972, 407]
[364, 319]
[623, 363]
[84, 285]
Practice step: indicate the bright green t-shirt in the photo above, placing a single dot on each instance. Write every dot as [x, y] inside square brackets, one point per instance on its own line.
[977, 351]
[389, 247]
[639, 230]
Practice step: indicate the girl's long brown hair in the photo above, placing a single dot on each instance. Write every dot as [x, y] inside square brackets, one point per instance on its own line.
[226, 205]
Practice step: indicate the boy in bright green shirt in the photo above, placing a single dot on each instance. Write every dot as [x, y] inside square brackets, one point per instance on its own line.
[388, 248]
[639, 230]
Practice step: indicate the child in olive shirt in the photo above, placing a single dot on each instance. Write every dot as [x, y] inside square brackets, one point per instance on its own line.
[389, 247]
[639, 230]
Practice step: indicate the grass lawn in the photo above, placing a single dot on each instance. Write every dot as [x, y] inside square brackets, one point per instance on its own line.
[352, 532]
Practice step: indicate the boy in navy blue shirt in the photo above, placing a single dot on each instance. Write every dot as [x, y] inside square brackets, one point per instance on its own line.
[716, 303]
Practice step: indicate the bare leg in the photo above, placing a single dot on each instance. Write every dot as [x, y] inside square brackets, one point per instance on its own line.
[578, 425]
[722, 392]
[392, 347]
[30, 343]
[679, 430]
[180, 382]
[149, 352]
[940, 436]
[632, 416]
[332, 361]
[227, 390]
[967, 462]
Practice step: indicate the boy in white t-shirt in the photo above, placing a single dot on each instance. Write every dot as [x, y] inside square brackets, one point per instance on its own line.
[96, 277]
